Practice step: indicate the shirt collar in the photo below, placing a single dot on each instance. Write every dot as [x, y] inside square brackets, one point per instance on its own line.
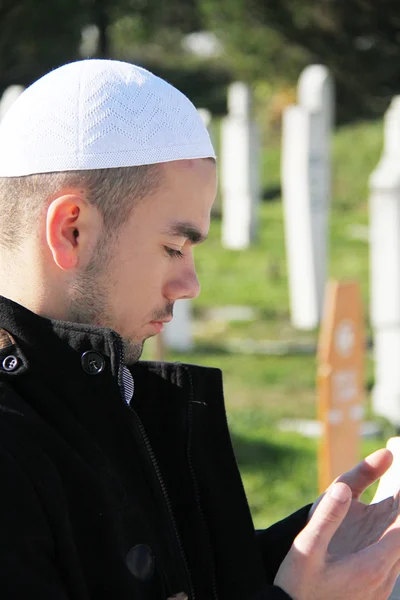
[128, 385]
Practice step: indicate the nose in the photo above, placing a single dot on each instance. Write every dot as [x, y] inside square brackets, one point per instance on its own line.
[183, 285]
[193, 287]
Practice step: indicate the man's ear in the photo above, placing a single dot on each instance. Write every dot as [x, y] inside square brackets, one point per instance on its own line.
[63, 223]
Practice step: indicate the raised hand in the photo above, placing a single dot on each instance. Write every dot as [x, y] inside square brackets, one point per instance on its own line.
[364, 524]
[311, 571]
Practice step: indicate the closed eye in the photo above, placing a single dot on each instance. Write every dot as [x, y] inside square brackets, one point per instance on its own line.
[173, 253]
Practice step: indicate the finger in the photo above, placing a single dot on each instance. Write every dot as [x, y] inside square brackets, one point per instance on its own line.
[367, 471]
[326, 519]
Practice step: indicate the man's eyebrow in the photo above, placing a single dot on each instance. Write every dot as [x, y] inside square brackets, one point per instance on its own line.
[186, 230]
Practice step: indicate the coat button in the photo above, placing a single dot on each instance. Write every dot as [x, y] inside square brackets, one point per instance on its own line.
[93, 363]
[10, 363]
[140, 562]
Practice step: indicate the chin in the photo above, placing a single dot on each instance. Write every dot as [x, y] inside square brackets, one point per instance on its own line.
[132, 350]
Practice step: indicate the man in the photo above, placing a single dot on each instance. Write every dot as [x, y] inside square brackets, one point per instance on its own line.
[118, 479]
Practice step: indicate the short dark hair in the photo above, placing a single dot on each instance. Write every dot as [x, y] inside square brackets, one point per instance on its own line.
[114, 192]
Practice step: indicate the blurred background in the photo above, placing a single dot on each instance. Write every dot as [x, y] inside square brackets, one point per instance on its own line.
[241, 320]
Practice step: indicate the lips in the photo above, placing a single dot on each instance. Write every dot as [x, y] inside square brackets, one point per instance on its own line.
[166, 320]
[158, 326]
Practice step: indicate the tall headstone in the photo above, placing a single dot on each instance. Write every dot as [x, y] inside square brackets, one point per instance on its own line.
[389, 482]
[385, 270]
[340, 379]
[239, 170]
[388, 486]
[178, 334]
[8, 98]
[206, 117]
[306, 188]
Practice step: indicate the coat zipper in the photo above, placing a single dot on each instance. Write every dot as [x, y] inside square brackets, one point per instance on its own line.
[196, 489]
[154, 463]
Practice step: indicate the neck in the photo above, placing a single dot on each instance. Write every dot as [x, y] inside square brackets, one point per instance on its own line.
[27, 283]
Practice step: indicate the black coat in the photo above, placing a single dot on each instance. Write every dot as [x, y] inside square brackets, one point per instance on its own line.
[100, 500]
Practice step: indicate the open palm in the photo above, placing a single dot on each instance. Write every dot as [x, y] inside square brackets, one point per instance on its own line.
[364, 524]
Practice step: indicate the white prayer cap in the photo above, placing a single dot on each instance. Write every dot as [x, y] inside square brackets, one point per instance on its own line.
[99, 114]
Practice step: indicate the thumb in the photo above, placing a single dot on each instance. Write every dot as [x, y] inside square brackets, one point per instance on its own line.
[326, 519]
[367, 471]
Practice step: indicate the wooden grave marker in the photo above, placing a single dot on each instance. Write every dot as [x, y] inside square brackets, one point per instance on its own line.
[340, 380]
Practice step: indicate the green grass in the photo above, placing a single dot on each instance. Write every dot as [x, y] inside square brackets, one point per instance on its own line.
[279, 469]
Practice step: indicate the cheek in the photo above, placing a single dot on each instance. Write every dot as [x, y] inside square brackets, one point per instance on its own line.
[138, 283]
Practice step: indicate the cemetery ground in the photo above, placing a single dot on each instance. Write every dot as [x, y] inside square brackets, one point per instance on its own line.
[269, 368]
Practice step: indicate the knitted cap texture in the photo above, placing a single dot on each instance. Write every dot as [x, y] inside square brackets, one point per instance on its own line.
[99, 114]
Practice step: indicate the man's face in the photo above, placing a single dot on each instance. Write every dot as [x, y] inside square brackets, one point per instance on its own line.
[150, 265]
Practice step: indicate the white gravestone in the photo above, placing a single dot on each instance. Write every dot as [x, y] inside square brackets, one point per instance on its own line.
[240, 184]
[385, 270]
[388, 486]
[306, 190]
[206, 117]
[178, 333]
[8, 98]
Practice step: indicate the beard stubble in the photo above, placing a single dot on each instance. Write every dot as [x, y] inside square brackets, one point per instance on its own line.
[89, 300]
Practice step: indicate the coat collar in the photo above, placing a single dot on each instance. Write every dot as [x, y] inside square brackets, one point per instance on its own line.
[68, 357]
[55, 346]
